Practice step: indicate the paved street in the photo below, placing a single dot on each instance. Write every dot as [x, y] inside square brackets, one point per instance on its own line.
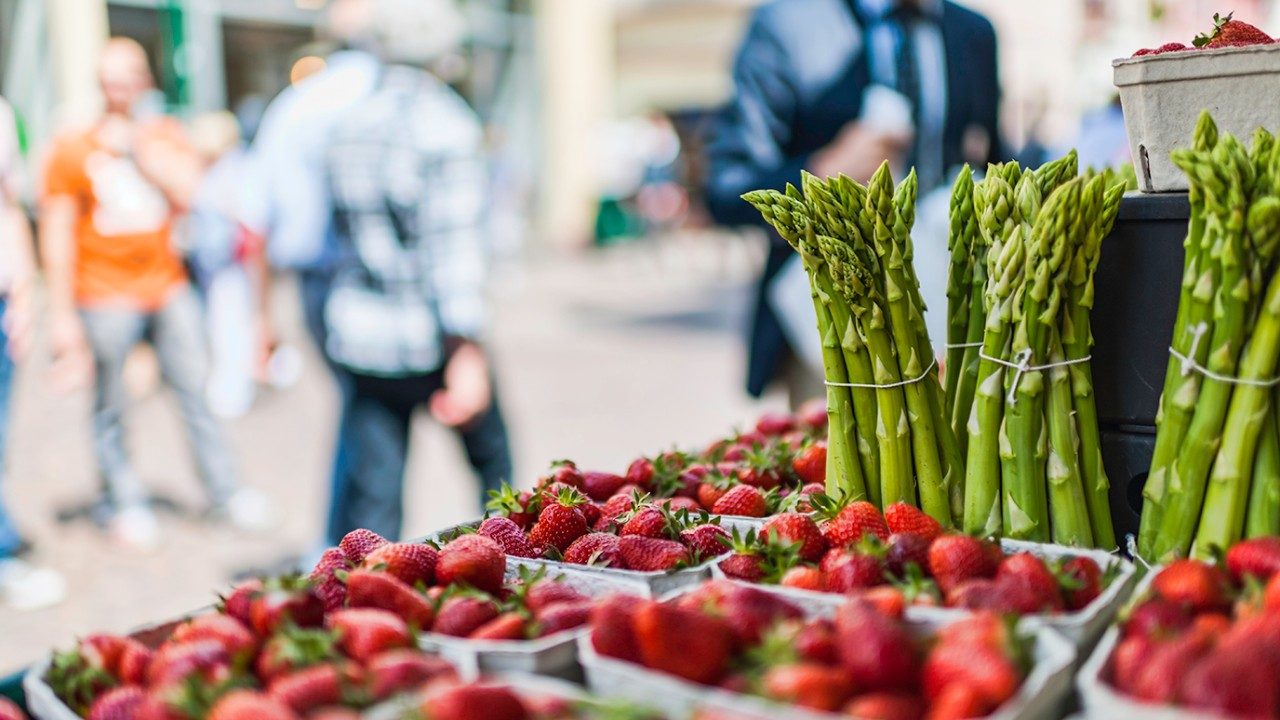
[601, 356]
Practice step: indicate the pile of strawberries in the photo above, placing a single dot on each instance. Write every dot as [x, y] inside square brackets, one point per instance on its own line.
[296, 647]
[866, 662]
[448, 698]
[905, 556]
[1207, 636]
[1226, 32]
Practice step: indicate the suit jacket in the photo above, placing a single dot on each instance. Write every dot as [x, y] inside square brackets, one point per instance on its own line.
[799, 78]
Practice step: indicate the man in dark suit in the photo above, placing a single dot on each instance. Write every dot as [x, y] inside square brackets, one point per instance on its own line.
[800, 88]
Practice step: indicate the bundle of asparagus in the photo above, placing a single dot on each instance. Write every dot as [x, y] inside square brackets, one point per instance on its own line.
[1025, 246]
[1215, 472]
[889, 439]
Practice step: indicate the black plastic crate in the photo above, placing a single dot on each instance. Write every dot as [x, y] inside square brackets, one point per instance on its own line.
[1126, 454]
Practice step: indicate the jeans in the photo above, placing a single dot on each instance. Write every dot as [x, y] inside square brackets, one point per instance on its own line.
[176, 331]
[370, 491]
[9, 538]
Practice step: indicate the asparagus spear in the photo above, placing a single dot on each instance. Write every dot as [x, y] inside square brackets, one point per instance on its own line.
[960, 284]
[1263, 518]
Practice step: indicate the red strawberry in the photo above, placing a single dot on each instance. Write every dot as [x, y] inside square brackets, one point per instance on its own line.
[792, 528]
[956, 558]
[544, 593]
[1198, 585]
[461, 615]
[1031, 573]
[1231, 33]
[238, 602]
[597, 549]
[412, 563]
[249, 705]
[647, 554]
[1239, 682]
[366, 589]
[1259, 557]
[591, 512]
[988, 672]
[175, 662]
[886, 706]
[804, 577]
[673, 504]
[640, 472]
[903, 550]
[1160, 678]
[119, 703]
[663, 631]
[775, 424]
[1128, 659]
[359, 543]
[601, 485]
[812, 414]
[1157, 618]
[365, 632]
[807, 685]
[877, 652]
[846, 573]
[473, 560]
[509, 536]
[293, 649]
[334, 713]
[648, 522]
[397, 670]
[810, 464]
[234, 637]
[706, 541]
[1081, 581]
[904, 518]
[286, 599]
[750, 612]
[615, 506]
[564, 616]
[102, 651]
[332, 592]
[846, 526]
[743, 566]
[560, 522]
[816, 642]
[521, 507]
[507, 626]
[958, 702]
[310, 688]
[474, 702]
[134, 659]
[1271, 595]
[743, 500]
[612, 632]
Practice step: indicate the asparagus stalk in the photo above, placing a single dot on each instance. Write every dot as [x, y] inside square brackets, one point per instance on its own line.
[1068, 508]
[960, 284]
[1263, 518]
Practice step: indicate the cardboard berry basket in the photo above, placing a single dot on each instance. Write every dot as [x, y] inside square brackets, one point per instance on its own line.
[523, 684]
[1043, 694]
[1081, 628]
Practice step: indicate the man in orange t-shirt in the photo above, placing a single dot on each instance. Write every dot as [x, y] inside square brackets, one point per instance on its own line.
[110, 195]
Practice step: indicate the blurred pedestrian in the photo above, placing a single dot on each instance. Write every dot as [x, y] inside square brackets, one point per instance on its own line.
[111, 193]
[839, 86]
[405, 314]
[22, 585]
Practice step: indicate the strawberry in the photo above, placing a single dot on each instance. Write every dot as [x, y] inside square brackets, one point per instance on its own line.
[509, 537]
[877, 652]
[1239, 682]
[1031, 573]
[808, 685]
[1161, 676]
[293, 649]
[647, 521]
[985, 670]
[234, 637]
[705, 541]
[238, 602]
[799, 529]
[473, 560]
[647, 554]
[507, 626]
[625, 500]
[546, 592]
[285, 599]
[810, 464]
[1198, 585]
[846, 572]
[1081, 581]
[175, 662]
[249, 705]
[712, 487]
[1258, 557]
[1271, 595]
[956, 558]
[958, 702]
[846, 525]
[804, 577]
[743, 566]
[598, 549]
[412, 563]
[332, 592]
[1128, 659]
[904, 518]
[461, 615]
[359, 543]
[365, 632]
[750, 612]
[102, 651]
[601, 486]
[662, 634]
[1231, 33]
[771, 424]
[759, 470]
[563, 472]
[904, 550]
[119, 703]
[521, 507]
[474, 702]
[560, 522]
[742, 500]
[366, 589]
[812, 414]
[888, 601]
[134, 659]
[815, 641]
[561, 616]
[679, 503]
[397, 670]
[612, 632]
[640, 473]
[804, 498]
[1157, 617]
[311, 687]
[885, 706]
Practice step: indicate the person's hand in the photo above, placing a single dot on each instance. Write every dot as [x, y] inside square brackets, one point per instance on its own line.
[72, 366]
[857, 151]
[466, 392]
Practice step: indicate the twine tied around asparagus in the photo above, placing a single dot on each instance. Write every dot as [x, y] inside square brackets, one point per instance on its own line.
[876, 386]
[1190, 365]
[950, 346]
[1022, 365]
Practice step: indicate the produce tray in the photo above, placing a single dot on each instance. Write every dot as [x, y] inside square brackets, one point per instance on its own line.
[1043, 694]
[1082, 629]
[396, 708]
